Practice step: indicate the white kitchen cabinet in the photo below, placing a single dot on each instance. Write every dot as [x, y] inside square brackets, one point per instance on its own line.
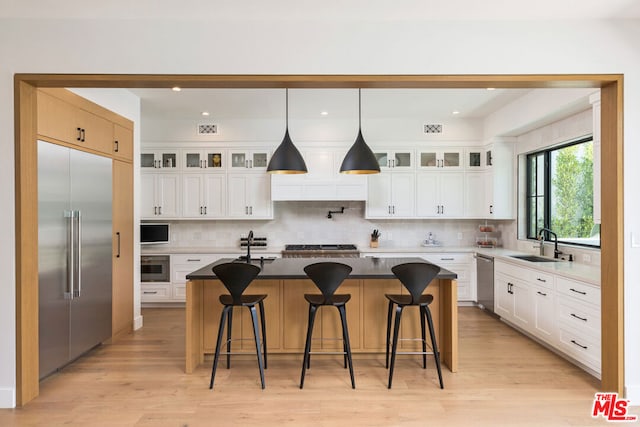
[204, 195]
[154, 159]
[323, 180]
[475, 194]
[513, 300]
[464, 265]
[249, 196]
[440, 194]
[561, 312]
[180, 266]
[184, 264]
[448, 158]
[159, 195]
[544, 322]
[209, 160]
[394, 160]
[391, 195]
[579, 321]
[474, 158]
[500, 180]
[248, 160]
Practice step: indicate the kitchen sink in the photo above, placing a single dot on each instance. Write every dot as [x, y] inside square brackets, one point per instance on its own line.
[533, 258]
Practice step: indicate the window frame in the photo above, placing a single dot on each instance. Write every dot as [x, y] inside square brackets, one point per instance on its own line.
[546, 155]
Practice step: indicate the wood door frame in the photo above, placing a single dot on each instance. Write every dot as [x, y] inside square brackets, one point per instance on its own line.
[26, 218]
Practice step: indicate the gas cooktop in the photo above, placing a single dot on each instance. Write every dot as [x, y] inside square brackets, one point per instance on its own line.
[326, 250]
[325, 247]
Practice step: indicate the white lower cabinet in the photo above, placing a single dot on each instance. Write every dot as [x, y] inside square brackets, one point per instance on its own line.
[461, 263]
[513, 300]
[561, 312]
[464, 265]
[180, 266]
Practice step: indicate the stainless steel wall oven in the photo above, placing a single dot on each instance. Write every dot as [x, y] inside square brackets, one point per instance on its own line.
[155, 268]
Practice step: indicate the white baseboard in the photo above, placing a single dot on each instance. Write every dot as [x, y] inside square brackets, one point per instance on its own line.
[137, 323]
[7, 397]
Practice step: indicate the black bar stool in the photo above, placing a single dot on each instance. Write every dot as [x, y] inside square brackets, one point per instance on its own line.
[236, 276]
[415, 276]
[328, 276]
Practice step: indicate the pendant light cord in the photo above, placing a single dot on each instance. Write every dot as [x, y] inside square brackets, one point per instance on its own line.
[359, 110]
[287, 108]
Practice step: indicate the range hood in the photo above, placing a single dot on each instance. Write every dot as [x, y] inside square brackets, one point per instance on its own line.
[323, 180]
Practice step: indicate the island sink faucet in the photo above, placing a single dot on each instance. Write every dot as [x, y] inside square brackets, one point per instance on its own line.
[556, 252]
[249, 242]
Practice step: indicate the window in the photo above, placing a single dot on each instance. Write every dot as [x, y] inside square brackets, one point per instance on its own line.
[560, 193]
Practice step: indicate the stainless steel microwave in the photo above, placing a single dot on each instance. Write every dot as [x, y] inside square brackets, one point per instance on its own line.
[155, 268]
[153, 233]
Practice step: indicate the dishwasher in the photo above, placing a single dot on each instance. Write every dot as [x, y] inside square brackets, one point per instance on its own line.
[484, 265]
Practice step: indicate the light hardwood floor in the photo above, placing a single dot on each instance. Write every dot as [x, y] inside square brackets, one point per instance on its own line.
[504, 380]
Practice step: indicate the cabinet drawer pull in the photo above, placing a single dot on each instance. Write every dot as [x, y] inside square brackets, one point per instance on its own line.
[150, 292]
[117, 148]
[447, 259]
[577, 292]
[542, 293]
[541, 280]
[192, 260]
[578, 317]
[584, 347]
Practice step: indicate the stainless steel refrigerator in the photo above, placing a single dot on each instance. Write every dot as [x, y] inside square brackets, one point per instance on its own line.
[74, 253]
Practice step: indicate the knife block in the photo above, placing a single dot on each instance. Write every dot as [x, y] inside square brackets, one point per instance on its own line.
[373, 244]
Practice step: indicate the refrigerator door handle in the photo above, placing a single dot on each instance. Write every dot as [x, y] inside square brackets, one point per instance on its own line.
[79, 252]
[68, 294]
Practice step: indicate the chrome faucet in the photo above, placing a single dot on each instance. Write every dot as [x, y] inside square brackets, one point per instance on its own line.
[556, 252]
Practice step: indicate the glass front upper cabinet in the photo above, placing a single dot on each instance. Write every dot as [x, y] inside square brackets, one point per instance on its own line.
[398, 160]
[445, 159]
[209, 160]
[159, 159]
[248, 160]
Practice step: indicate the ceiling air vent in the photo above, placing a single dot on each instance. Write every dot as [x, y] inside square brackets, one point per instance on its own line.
[431, 128]
[208, 129]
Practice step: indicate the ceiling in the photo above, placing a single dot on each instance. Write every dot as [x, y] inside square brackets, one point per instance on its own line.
[335, 10]
[419, 104]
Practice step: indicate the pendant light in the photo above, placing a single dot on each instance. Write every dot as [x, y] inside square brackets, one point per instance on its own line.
[360, 159]
[287, 159]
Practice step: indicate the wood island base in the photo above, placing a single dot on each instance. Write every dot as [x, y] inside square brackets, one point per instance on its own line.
[286, 314]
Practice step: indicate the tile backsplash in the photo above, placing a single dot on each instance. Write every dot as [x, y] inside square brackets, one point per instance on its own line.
[307, 222]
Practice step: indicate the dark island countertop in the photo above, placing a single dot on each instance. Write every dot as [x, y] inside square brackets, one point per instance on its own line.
[293, 268]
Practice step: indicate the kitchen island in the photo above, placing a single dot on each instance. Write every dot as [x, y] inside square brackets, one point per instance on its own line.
[286, 311]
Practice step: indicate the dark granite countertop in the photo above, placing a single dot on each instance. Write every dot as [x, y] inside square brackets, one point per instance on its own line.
[293, 268]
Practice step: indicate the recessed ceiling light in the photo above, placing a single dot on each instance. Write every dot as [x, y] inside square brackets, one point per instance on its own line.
[205, 113]
[176, 88]
[455, 112]
[324, 113]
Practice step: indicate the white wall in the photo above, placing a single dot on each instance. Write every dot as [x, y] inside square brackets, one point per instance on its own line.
[350, 45]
